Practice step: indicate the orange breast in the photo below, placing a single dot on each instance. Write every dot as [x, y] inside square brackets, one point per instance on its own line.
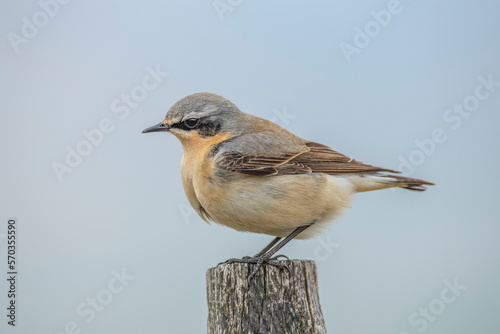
[196, 168]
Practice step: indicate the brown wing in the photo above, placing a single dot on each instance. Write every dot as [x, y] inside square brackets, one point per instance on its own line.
[253, 165]
[314, 158]
[322, 159]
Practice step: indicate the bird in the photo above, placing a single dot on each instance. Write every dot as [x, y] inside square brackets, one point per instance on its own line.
[250, 174]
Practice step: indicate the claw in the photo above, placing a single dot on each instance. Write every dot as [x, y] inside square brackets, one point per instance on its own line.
[259, 261]
[278, 256]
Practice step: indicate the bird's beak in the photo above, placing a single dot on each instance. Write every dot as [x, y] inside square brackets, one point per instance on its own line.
[157, 128]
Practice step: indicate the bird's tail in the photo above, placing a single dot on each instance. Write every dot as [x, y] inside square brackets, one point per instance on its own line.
[408, 183]
[368, 182]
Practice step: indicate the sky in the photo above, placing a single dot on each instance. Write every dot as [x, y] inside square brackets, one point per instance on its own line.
[106, 239]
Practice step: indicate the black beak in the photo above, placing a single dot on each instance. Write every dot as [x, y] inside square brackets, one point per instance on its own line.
[157, 128]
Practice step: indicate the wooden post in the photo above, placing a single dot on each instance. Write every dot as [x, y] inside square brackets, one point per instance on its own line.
[275, 301]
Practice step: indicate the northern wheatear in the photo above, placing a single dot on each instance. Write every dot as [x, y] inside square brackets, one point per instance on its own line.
[250, 174]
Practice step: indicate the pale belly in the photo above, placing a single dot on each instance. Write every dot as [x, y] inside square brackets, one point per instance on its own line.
[274, 205]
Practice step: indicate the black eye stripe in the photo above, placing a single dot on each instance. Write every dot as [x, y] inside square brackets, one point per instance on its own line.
[188, 125]
[205, 127]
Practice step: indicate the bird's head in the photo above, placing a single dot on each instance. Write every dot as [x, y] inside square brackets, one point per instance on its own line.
[200, 117]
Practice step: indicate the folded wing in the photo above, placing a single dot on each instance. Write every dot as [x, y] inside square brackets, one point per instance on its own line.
[264, 158]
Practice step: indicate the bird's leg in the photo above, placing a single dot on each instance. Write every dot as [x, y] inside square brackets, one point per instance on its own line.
[283, 242]
[268, 247]
[265, 255]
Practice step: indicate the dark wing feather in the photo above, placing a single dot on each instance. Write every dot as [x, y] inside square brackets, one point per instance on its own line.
[322, 159]
[314, 158]
[253, 165]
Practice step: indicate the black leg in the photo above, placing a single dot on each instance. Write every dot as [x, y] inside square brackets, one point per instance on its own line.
[265, 255]
[268, 247]
[283, 242]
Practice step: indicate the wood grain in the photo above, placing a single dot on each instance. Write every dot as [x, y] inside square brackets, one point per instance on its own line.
[275, 301]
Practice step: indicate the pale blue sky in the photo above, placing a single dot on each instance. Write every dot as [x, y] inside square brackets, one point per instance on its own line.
[122, 207]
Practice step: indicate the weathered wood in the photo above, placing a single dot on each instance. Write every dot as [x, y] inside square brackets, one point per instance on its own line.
[275, 302]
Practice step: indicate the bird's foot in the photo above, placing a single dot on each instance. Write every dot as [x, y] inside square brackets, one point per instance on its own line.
[278, 256]
[259, 261]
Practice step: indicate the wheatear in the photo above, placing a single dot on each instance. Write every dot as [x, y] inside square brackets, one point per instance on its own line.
[250, 174]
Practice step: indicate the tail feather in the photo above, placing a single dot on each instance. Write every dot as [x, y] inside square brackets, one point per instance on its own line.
[409, 183]
[377, 181]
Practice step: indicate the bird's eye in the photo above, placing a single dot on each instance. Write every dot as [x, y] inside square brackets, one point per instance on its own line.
[192, 123]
